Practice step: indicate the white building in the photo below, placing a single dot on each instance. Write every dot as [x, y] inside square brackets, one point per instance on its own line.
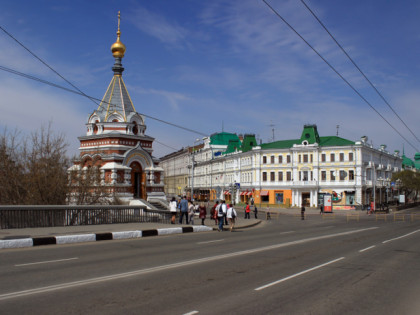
[289, 172]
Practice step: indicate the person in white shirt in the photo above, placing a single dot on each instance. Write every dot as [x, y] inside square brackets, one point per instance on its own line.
[172, 208]
[231, 215]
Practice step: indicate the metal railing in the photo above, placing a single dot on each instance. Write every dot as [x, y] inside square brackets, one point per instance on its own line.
[17, 217]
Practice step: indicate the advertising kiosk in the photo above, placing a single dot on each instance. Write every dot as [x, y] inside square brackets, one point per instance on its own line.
[328, 205]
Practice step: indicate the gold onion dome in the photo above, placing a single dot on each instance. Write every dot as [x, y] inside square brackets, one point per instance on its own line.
[118, 48]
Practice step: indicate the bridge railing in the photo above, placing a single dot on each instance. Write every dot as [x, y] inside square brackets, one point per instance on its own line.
[17, 217]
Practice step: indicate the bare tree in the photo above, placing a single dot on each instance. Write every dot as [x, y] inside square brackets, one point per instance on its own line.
[34, 171]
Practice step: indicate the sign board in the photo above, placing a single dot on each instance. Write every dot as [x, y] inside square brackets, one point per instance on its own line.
[402, 198]
[328, 204]
[238, 185]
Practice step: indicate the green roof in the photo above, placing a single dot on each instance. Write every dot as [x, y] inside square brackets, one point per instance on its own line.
[283, 144]
[332, 141]
[222, 138]
[248, 143]
[234, 145]
[406, 162]
[310, 134]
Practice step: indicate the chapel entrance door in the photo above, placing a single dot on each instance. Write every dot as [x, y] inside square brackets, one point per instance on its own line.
[138, 181]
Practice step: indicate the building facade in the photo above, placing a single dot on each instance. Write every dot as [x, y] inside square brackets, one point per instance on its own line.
[116, 143]
[287, 172]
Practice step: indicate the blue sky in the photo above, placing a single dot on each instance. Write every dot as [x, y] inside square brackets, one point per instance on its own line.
[208, 64]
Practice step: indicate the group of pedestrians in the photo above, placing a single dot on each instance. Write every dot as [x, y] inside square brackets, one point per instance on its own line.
[223, 214]
[187, 209]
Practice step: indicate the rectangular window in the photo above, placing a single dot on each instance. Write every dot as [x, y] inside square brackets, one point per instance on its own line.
[272, 159]
[342, 175]
[323, 157]
[289, 176]
[332, 157]
[341, 157]
[351, 156]
[280, 176]
[280, 159]
[312, 158]
[332, 176]
[305, 176]
[272, 176]
[264, 160]
[264, 175]
[323, 175]
[305, 158]
[351, 175]
[288, 158]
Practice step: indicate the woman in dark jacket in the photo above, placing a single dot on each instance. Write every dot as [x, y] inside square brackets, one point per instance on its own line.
[203, 212]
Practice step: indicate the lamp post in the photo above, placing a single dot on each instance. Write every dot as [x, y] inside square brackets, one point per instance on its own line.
[380, 181]
[192, 167]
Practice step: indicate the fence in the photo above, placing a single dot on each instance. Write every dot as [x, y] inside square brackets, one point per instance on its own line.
[17, 217]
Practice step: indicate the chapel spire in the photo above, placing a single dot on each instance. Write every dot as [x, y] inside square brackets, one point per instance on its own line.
[118, 50]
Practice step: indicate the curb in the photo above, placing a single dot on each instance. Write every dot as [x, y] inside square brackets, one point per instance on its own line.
[81, 238]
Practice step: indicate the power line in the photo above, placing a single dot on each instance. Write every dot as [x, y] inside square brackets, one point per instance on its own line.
[93, 98]
[44, 63]
[358, 68]
[332, 68]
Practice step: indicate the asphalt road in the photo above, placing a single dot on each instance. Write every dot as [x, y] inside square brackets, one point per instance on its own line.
[287, 266]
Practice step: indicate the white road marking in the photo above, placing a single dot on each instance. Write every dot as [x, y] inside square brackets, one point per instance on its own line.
[402, 236]
[287, 232]
[210, 241]
[192, 313]
[46, 262]
[170, 266]
[365, 249]
[298, 274]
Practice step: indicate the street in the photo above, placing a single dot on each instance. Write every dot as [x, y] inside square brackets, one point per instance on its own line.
[321, 265]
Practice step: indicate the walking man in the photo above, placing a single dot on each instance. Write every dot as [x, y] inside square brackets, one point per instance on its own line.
[183, 206]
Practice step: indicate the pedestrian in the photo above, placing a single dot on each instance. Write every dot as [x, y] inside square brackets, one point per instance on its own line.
[268, 214]
[224, 208]
[203, 212]
[302, 211]
[183, 207]
[172, 209]
[247, 211]
[321, 210]
[255, 212]
[231, 215]
[216, 212]
[191, 212]
[221, 215]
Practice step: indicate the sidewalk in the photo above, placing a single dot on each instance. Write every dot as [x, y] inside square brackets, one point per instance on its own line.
[17, 238]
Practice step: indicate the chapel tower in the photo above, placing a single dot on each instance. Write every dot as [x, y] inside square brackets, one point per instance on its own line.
[116, 143]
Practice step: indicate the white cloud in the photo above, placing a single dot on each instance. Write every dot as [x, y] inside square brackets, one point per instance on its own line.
[168, 32]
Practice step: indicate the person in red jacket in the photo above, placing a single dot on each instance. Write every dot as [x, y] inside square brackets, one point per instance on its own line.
[247, 211]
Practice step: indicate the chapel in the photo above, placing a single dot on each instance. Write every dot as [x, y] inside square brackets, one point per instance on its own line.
[116, 142]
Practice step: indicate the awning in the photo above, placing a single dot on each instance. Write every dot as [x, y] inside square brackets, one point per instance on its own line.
[264, 193]
[227, 192]
[249, 193]
[243, 193]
